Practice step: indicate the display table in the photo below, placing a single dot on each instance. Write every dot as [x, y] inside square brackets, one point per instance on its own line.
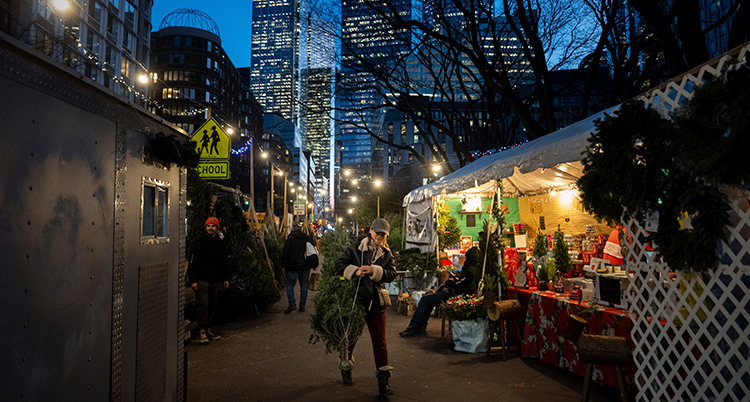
[545, 319]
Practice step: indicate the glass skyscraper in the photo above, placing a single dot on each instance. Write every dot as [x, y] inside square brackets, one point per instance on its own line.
[274, 60]
[366, 39]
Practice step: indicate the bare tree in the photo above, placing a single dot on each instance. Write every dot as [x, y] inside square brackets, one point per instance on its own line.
[479, 75]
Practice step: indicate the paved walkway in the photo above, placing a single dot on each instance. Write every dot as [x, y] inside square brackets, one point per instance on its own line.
[269, 358]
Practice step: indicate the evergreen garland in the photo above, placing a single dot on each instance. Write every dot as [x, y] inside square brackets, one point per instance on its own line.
[338, 320]
[493, 271]
[639, 162]
[177, 149]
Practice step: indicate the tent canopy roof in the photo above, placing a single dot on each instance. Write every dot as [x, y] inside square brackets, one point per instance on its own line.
[550, 161]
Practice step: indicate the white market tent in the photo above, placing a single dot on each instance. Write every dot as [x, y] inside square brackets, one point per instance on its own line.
[547, 162]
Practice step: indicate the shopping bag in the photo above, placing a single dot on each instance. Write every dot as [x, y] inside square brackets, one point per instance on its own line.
[471, 335]
[311, 256]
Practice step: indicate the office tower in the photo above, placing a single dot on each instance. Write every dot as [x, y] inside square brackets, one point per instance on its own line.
[366, 39]
[316, 96]
[274, 55]
[105, 41]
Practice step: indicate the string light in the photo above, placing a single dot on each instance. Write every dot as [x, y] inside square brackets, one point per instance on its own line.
[478, 154]
[248, 145]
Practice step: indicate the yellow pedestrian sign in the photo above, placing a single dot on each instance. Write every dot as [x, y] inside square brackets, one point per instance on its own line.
[213, 146]
[213, 142]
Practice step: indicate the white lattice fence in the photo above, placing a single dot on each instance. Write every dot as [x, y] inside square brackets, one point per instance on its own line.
[692, 332]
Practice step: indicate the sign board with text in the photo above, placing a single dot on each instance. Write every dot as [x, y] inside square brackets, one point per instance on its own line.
[299, 207]
[214, 148]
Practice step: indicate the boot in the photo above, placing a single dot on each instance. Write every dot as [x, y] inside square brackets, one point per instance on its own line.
[383, 374]
[346, 376]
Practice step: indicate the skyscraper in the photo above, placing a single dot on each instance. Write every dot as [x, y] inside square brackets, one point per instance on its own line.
[366, 38]
[316, 94]
[274, 55]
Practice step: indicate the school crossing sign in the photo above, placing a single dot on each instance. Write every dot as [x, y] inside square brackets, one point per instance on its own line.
[213, 146]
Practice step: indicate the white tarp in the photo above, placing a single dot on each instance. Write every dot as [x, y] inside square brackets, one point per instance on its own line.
[419, 224]
[554, 160]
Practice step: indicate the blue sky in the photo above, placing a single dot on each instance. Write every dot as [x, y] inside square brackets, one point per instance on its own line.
[234, 18]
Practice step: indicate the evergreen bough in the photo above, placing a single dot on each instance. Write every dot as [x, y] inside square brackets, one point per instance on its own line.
[639, 161]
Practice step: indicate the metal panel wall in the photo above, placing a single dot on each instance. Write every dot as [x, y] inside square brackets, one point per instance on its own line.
[69, 252]
[56, 192]
[151, 349]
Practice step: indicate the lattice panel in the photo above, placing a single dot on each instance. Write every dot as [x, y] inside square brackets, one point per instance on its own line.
[671, 95]
[692, 332]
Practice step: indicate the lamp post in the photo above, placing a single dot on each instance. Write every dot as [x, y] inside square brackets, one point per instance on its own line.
[265, 156]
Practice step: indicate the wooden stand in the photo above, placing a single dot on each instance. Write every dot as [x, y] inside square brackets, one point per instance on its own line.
[573, 328]
[603, 350]
[502, 311]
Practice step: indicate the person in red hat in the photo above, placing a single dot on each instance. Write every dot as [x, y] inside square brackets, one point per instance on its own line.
[208, 269]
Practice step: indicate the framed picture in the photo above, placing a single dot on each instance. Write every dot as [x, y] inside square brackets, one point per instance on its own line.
[465, 242]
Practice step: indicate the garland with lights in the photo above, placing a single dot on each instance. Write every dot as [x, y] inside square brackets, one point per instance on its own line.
[478, 154]
[248, 145]
[639, 162]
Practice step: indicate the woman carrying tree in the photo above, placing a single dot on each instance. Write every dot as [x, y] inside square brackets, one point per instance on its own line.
[369, 262]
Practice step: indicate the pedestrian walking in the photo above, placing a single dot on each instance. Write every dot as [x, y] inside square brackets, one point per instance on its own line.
[293, 262]
[208, 269]
[369, 262]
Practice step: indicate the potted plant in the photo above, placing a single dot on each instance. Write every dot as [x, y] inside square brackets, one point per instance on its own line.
[470, 325]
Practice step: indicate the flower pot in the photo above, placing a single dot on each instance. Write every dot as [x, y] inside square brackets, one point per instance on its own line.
[574, 328]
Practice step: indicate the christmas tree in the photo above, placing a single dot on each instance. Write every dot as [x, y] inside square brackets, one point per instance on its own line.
[560, 252]
[338, 319]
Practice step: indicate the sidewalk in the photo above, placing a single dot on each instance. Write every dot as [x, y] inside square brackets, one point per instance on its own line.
[269, 358]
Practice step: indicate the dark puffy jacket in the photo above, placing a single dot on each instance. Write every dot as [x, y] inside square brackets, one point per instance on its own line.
[467, 281]
[293, 256]
[357, 255]
[210, 260]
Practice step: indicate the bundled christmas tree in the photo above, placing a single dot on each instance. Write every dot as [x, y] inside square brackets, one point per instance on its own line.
[338, 319]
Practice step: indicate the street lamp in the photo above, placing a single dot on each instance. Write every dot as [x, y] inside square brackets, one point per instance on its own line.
[377, 184]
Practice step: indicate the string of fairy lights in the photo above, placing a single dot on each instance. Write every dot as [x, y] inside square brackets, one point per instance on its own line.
[479, 154]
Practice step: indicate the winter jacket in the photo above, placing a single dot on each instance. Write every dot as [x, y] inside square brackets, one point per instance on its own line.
[209, 261]
[384, 270]
[293, 256]
[466, 282]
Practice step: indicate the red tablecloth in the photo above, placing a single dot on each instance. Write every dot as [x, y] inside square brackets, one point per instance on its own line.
[546, 316]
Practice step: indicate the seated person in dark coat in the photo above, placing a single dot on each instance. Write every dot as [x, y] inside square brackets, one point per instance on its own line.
[465, 283]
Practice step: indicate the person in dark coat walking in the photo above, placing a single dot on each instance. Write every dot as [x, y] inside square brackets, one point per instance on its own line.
[208, 269]
[293, 262]
[369, 262]
[466, 283]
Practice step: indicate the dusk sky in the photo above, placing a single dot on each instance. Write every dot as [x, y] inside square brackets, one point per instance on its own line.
[234, 18]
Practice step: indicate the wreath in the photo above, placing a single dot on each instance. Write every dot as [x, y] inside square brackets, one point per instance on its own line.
[640, 163]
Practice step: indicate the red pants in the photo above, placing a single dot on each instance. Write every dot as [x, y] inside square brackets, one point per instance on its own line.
[376, 325]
